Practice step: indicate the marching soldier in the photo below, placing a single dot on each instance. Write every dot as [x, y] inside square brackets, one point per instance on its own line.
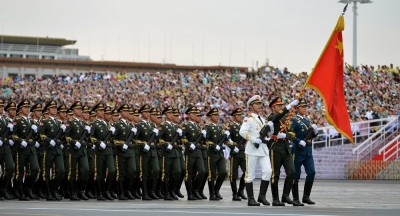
[110, 123]
[170, 161]
[91, 186]
[302, 150]
[23, 133]
[62, 118]
[256, 151]
[179, 179]
[92, 116]
[36, 111]
[156, 120]
[50, 132]
[134, 117]
[11, 108]
[191, 136]
[199, 194]
[114, 116]
[125, 154]
[280, 151]
[78, 162]
[149, 169]
[215, 137]
[100, 134]
[6, 159]
[237, 156]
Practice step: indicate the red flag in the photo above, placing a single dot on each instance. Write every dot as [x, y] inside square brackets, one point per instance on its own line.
[327, 79]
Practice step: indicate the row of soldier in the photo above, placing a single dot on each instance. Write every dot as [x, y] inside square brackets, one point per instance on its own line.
[78, 153]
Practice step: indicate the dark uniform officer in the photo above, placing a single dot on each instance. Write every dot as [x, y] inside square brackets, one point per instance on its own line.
[170, 159]
[36, 111]
[179, 179]
[78, 170]
[280, 151]
[23, 133]
[62, 118]
[125, 154]
[215, 138]
[302, 150]
[6, 159]
[156, 121]
[50, 131]
[104, 159]
[91, 186]
[149, 165]
[199, 194]
[237, 156]
[108, 120]
[11, 108]
[135, 118]
[194, 164]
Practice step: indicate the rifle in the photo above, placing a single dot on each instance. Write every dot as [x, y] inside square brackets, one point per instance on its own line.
[222, 141]
[129, 139]
[152, 138]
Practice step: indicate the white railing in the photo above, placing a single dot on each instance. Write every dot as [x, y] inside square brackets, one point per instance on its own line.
[365, 134]
[391, 150]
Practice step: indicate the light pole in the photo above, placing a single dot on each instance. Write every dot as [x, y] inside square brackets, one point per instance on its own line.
[355, 25]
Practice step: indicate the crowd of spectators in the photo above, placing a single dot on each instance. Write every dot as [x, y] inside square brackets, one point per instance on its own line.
[371, 92]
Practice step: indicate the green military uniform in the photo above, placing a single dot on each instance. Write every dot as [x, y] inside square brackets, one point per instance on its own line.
[11, 107]
[280, 154]
[137, 183]
[180, 178]
[204, 150]
[158, 146]
[104, 159]
[194, 164]
[215, 137]
[23, 133]
[78, 162]
[149, 169]
[170, 159]
[6, 159]
[237, 158]
[125, 155]
[50, 135]
[90, 148]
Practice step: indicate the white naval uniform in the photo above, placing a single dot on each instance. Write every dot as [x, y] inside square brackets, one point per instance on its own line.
[250, 130]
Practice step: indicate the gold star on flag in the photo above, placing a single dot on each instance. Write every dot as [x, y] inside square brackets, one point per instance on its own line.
[339, 46]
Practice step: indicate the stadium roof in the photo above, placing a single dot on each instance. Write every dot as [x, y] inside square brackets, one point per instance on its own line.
[35, 40]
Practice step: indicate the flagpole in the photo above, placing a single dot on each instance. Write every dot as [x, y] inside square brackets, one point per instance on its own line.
[287, 121]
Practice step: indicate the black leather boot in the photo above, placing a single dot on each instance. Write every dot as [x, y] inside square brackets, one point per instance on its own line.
[73, 196]
[275, 196]
[153, 188]
[109, 186]
[145, 190]
[218, 185]
[263, 191]
[211, 187]
[235, 196]
[179, 185]
[307, 191]
[295, 192]
[286, 191]
[100, 191]
[251, 201]
[22, 195]
[189, 188]
[241, 189]
[49, 195]
[167, 195]
[201, 189]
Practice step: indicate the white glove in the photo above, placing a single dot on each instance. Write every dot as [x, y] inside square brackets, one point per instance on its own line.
[227, 133]
[112, 129]
[155, 130]
[255, 140]
[52, 143]
[293, 103]
[63, 127]
[62, 146]
[87, 127]
[11, 142]
[134, 130]
[271, 125]
[103, 145]
[169, 147]
[315, 127]
[302, 143]
[236, 150]
[125, 147]
[37, 145]
[281, 135]
[192, 146]
[179, 131]
[34, 128]
[267, 139]
[93, 147]
[78, 144]
[217, 147]
[24, 144]
[146, 147]
[11, 126]
[1, 143]
[204, 132]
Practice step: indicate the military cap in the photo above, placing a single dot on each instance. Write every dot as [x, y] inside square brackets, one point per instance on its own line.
[213, 111]
[107, 110]
[123, 107]
[176, 112]
[154, 111]
[253, 100]
[50, 104]
[36, 107]
[85, 109]
[99, 106]
[70, 111]
[114, 112]
[45, 111]
[191, 109]
[237, 111]
[92, 114]
[62, 108]
[1, 102]
[134, 112]
[198, 113]
[276, 101]
[144, 108]
[10, 105]
[76, 105]
[168, 109]
[24, 103]
[302, 102]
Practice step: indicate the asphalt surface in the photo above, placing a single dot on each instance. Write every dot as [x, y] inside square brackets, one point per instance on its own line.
[341, 197]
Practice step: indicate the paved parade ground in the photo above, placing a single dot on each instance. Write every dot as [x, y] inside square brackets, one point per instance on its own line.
[339, 197]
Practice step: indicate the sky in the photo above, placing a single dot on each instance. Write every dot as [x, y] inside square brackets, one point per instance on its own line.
[286, 33]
